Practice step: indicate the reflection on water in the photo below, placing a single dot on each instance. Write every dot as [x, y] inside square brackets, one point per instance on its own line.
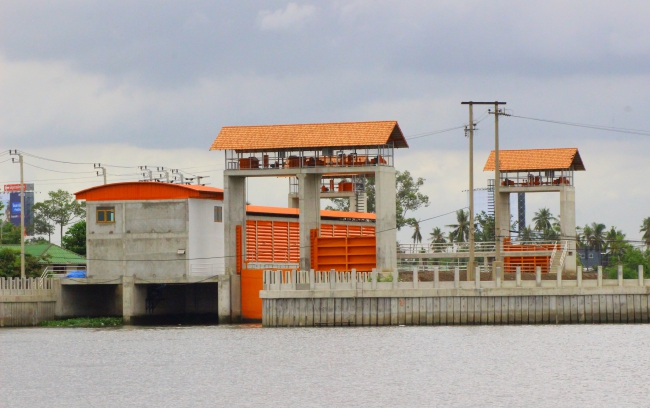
[605, 365]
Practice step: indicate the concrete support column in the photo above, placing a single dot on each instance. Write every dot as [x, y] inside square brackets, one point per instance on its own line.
[503, 229]
[128, 298]
[568, 225]
[235, 214]
[223, 299]
[309, 206]
[353, 204]
[386, 233]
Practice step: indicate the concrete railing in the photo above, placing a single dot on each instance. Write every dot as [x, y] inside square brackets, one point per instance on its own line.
[25, 287]
[311, 280]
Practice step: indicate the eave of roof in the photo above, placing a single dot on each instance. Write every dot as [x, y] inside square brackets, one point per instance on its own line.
[537, 159]
[138, 190]
[294, 212]
[313, 135]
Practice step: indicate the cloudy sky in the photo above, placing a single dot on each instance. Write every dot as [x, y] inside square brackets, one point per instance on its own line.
[132, 83]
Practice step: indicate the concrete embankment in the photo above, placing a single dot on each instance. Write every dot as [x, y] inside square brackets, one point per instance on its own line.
[26, 302]
[343, 299]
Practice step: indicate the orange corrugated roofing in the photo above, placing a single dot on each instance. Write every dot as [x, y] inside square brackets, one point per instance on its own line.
[536, 159]
[258, 209]
[249, 138]
[138, 190]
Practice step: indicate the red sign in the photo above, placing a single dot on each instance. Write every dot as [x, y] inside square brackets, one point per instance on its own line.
[14, 188]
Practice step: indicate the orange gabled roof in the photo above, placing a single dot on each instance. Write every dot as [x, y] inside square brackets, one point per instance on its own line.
[317, 135]
[294, 212]
[138, 190]
[536, 159]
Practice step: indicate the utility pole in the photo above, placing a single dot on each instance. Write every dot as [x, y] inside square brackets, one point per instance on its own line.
[146, 172]
[177, 172]
[99, 166]
[497, 244]
[498, 261]
[471, 268]
[199, 178]
[166, 172]
[22, 212]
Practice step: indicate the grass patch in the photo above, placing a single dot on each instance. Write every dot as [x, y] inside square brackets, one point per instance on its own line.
[84, 322]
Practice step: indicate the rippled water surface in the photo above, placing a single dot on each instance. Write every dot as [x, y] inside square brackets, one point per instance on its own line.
[385, 366]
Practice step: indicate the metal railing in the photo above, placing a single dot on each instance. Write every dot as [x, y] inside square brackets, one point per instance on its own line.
[536, 178]
[61, 270]
[382, 155]
[456, 247]
[25, 286]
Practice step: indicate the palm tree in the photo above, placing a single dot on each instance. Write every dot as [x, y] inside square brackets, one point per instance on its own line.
[645, 228]
[595, 235]
[460, 231]
[543, 219]
[616, 243]
[417, 236]
[526, 234]
[437, 236]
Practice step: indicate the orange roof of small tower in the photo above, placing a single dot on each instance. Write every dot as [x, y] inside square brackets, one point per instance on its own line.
[315, 135]
[138, 190]
[536, 159]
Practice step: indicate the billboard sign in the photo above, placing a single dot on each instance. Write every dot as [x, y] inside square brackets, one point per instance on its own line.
[15, 188]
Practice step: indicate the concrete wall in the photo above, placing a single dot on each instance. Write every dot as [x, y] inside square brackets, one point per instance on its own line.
[205, 239]
[385, 231]
[457, 310]
[143, 240]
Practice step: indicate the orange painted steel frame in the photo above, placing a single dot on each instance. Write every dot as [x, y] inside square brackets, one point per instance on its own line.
[238, 238]
[527, 263]
[136, 190]
[344, 253]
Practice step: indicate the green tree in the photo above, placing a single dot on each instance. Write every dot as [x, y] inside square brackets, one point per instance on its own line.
[75, 238]
[616, 244]
[41, 225]
[526, 234]
[594, 235]
[9, 234]
[339, 204]
[484, 227]
[417, 236]
[645, 228]
[436, 236]
[460, 232]
[407, 197]
[543, 219]
[61, 209]
[10, 264]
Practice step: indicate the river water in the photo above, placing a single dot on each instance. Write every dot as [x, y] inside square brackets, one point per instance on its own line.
[177, 366]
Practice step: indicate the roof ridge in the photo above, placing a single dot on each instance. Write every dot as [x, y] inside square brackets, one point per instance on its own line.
[310, 124]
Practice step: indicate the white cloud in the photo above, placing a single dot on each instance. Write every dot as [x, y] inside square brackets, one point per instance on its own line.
[292, 16]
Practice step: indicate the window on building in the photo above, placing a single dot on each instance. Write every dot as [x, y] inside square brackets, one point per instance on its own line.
[591, 256]
[582, 256]
[218, 214]
[105, 215]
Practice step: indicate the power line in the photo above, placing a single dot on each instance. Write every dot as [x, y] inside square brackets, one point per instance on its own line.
[639, 132]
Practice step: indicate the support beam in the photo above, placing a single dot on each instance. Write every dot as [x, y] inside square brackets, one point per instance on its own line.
[234, 214]
[385, 226]
[568, 225]
[309, 217]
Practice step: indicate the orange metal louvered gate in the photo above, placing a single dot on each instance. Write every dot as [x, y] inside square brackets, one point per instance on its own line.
[279, 241]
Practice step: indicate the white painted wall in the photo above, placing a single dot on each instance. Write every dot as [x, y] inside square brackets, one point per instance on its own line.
[206, 239]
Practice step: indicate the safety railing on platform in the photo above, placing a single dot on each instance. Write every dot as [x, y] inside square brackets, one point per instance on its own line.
[310, 157]
[26, 286]
[352, 280]
[61, 270]
[460, 247]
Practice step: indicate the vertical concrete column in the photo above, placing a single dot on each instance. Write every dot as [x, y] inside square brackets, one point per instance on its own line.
[386, 221]
[568, 225]
[309, 205]
[128, 295]
[353, 204]
[503, 229]
[223, 299]
[235, 214]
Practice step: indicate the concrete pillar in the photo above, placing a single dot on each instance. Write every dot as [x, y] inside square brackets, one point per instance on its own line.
[353, 204]
[309, 205]
[385, 226]
[503, 229]
[293, 202]
[234, 214]
[223, 299]
[128, 295]
[568, 225]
